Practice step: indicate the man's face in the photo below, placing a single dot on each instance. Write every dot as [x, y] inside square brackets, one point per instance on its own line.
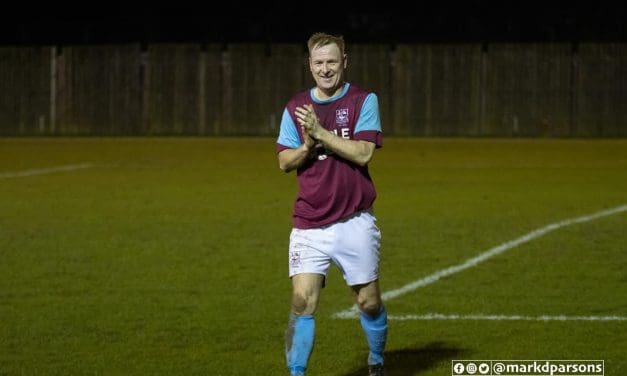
[327, 67]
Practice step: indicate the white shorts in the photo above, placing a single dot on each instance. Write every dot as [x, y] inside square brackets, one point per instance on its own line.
[352, 244]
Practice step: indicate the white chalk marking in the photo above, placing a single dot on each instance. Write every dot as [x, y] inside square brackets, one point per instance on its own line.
[353, 311]
[479, 317]
[44, 171]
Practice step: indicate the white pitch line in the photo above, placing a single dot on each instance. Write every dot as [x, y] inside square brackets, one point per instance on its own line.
[439, 316]
[353, 311]
[43, 171]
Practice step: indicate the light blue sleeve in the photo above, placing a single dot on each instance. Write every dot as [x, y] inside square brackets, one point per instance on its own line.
[288, 135]
[369, 119]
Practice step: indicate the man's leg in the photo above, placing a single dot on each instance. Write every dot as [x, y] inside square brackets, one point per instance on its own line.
[299, 337]
[374, 319]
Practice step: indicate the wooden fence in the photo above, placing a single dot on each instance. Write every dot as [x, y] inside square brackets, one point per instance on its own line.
[560, 90]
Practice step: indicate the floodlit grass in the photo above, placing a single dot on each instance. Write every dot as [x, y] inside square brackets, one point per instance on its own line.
[169, 256]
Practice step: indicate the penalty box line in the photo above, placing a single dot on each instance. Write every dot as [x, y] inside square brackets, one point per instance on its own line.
[472, 262]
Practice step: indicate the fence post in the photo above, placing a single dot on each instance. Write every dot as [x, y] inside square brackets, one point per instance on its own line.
[202, 112]
[574, 83]
[483, 90]
[53, 89]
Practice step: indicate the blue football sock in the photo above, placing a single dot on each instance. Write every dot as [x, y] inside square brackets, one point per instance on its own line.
[376, 329]
[299, 340]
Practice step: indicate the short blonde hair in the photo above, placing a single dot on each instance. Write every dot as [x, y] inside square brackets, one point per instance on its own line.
[323, 39]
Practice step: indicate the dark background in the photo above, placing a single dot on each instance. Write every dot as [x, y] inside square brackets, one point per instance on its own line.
[211, 22]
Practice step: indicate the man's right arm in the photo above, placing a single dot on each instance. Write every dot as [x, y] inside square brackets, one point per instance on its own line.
[291, 159]
[294, 152]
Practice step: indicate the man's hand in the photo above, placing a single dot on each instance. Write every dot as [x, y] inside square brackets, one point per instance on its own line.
[309, 121]
[309, 141]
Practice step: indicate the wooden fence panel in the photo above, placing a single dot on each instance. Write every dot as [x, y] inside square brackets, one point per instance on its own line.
[287, 66]
[25, 75]
[171, 89]
[409, 93]
[436, 90]
[424, 90]
[601, 90]
[528, 90]
[210, 91]
[454, 96]
[244, 89]
[369, 67]
[98, 90]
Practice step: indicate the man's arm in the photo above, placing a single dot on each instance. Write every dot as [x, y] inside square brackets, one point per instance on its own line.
[295, 152]
[291, 159]
[357, 151]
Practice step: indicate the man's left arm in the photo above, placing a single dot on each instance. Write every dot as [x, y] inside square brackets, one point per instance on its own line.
[357, 151]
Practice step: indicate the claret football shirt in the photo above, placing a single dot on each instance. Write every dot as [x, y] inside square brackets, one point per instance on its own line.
[332, 188]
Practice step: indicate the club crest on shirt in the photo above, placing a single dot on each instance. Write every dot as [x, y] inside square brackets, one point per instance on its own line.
[341, 116]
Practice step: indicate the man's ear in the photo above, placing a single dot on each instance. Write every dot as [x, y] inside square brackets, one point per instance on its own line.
[345, 61]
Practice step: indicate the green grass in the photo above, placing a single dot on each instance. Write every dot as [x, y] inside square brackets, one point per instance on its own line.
[169, 256]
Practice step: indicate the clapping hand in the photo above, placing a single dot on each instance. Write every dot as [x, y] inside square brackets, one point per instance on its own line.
[309, 122]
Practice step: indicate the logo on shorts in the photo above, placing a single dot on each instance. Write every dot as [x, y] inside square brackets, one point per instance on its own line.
[295, 259]
[341, 116]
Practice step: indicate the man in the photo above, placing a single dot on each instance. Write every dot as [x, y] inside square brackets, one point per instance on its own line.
[329, 134]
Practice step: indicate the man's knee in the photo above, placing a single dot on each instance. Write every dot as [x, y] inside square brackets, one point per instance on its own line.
[299, 304]
[370, 305]
[305, 293]
[303, 304]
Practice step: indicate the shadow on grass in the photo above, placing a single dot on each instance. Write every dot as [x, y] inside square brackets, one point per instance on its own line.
[409, 362]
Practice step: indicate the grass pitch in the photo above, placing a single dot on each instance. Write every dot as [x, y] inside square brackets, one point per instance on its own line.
[169, 256]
